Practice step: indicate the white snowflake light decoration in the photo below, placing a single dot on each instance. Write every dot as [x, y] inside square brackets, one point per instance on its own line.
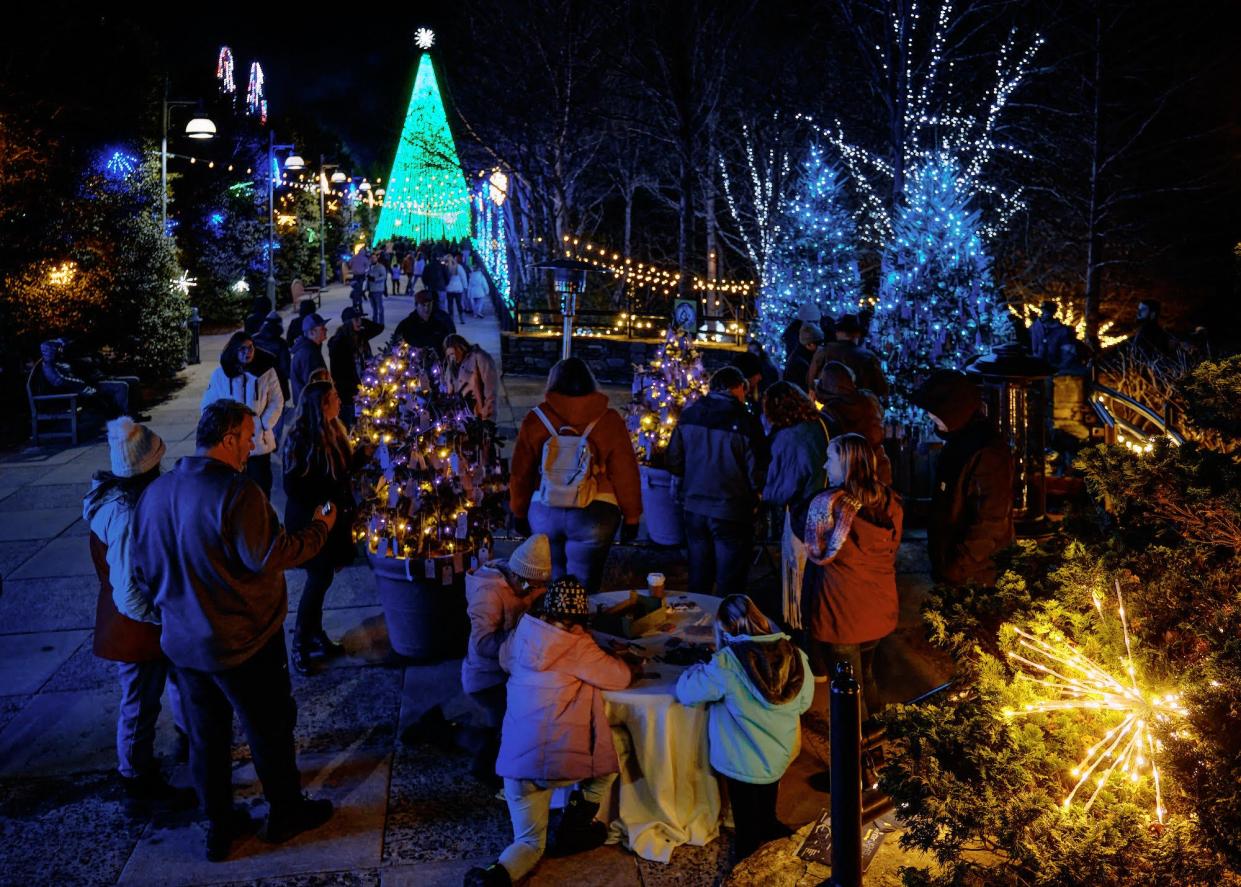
[424, 38]
[183, 283]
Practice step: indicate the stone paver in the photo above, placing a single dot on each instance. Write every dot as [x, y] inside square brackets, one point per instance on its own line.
[28, 661]
[356, 782]
[38, 523]
[63, 556]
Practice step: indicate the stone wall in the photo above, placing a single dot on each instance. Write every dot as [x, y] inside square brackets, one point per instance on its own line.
[611, 358]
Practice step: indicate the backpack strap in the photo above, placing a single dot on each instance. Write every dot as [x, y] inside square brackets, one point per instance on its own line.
[546, 424]
[591, 426]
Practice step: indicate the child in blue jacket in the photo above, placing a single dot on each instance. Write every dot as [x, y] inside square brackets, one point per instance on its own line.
[757, 686]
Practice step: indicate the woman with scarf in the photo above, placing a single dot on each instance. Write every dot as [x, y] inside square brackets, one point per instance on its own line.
[239, 378]
[853, 530]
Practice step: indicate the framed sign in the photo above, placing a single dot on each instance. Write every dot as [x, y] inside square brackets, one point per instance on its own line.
[685, 315]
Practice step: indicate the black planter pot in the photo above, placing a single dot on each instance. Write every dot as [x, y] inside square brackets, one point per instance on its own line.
[426, 616]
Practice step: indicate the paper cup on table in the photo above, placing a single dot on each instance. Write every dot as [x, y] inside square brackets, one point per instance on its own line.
[655, 582]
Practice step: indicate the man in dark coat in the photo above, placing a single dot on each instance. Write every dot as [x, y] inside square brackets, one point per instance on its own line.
[721, 455]
[259, 306]
[971, 517]
[307, 353]
[270, 340]
[848, 409]
[209, 554]
[348, 351]
[425, 326]
[109, 396]
[797, 370]
[1050, 339]
[304, 308]
[847, 349]
[1150, 336]
[435, 278]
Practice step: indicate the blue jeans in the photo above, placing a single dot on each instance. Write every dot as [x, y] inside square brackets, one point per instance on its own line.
[719, 554]
[529, 805]
[580, 539]
[377, 307]
[142, 685]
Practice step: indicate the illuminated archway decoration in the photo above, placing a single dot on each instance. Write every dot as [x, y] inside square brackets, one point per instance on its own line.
[490, 239]
[224, 71]
[256, 101]
[427, 197]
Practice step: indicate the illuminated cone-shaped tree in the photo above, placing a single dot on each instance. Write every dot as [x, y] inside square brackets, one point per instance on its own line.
[936, 299]
[426, 197]
[670, 382]
[814, 259]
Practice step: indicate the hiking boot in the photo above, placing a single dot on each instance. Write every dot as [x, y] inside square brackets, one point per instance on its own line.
[222, 834]
[578, 830]
[151, 790]
[494, 875]
[284, 823]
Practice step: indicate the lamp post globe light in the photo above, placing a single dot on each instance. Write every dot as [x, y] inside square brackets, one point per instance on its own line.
[272, 148]
[200, 127]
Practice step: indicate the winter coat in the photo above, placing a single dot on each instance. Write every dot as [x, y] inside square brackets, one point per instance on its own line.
[458, 281]
[797, 475]
[495, 605]
[850, 410]
[1048, 338]
[797, 369]
[210, 554]
[480, 287]
[720, 453]
[110, 517]
[271, 342]
[478, 378]
[360, 263]
[867, 370]
[435, 276]
[757, 688]
[307, 490]
[555, 726]
[117, 637]
[259, 393]
[295, 328]
[852, 599]
[427, 333]
[971, 516]
[611, 450]
[349, 352]
[58, 376]
[377, 279]
[307, 357]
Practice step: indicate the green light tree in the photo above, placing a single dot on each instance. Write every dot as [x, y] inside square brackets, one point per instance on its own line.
[426, 197]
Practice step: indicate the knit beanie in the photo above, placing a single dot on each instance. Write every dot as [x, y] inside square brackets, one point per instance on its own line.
[810, 334]
[950, 395]
[532, 559]
[566, 597]
[808, 312]
[135, 449]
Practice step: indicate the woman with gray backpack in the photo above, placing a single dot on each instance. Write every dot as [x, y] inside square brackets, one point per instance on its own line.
[575, 475]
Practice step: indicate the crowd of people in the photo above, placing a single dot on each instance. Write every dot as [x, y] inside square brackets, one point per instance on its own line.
[192, 563]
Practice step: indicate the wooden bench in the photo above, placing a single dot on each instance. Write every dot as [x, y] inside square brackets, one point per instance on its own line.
[58, 407]
[299, 291]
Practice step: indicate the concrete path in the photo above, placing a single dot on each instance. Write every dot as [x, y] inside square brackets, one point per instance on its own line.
[407, 816]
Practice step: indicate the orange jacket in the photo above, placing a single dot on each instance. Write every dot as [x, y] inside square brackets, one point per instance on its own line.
[610, 447]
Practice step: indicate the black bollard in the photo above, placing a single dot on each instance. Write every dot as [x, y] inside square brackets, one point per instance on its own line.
[846, 739]
[194, 324]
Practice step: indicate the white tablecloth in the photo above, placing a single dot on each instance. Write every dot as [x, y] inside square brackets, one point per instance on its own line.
[668, 794]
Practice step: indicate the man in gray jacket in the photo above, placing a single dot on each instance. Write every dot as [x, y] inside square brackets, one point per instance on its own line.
[720, 453]
[209, 553]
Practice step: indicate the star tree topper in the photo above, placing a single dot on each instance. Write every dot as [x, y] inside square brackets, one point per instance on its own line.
[424, 38]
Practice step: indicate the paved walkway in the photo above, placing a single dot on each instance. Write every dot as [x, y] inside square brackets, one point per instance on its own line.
[405, 815]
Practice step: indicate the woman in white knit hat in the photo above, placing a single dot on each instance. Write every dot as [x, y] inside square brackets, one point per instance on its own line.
[127, 627]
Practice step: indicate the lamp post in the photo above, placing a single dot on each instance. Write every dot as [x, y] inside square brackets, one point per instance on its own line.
[292, 162]
[337, 177]
[569, 280]
[200, 127]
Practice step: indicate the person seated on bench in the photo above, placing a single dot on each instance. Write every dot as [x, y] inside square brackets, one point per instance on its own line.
[107, 395]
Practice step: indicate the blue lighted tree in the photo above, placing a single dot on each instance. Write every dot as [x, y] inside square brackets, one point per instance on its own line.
[936, 298]
[814, 257]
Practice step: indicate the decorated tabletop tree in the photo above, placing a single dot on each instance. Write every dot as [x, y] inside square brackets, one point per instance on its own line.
[671, 381]
[433, 488]
[814, 260]
[936, 298]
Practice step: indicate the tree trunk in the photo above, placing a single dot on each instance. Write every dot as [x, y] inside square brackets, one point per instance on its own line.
[1094, 242]
[708, 199]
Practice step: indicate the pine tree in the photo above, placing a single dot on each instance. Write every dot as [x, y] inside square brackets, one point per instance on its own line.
[936, 298]
[426, 197]
[814, 260]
